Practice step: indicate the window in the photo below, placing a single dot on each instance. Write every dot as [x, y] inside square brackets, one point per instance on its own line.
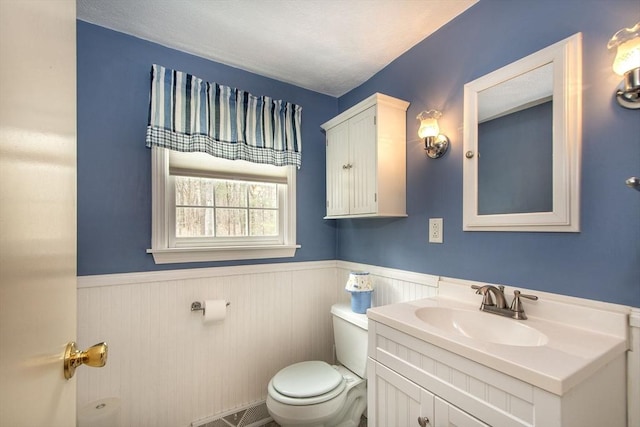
[211, 209]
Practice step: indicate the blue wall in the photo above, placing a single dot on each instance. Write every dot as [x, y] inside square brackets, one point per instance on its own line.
[601, 262]
[114, 167]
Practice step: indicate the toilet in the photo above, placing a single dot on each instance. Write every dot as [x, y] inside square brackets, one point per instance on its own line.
[316, 394]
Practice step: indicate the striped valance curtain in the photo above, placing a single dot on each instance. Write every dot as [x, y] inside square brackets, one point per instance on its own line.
[190, 115]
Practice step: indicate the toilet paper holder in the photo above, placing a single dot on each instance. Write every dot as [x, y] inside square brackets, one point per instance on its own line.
[198, 306]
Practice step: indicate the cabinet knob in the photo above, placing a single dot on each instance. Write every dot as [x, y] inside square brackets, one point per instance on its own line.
[422, 421]
[347, 166]
[469, 154]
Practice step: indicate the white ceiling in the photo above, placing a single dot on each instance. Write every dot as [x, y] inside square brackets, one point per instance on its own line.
[329, 46]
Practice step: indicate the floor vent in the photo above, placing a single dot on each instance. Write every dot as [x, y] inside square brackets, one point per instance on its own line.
[255, 415]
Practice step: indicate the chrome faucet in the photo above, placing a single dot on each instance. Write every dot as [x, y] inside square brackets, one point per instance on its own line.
[515, 310]
[486, 292]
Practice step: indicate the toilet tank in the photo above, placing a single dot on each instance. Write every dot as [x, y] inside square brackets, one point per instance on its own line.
[350, 337]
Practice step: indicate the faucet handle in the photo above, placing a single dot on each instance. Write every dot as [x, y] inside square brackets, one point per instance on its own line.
[516, 304]
[531, 297]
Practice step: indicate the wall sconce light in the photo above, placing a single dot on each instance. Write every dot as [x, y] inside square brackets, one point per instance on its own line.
[435, 143]
[633, 182]
[627, 64]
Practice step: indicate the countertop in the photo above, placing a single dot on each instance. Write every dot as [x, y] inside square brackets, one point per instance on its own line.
[570, 356]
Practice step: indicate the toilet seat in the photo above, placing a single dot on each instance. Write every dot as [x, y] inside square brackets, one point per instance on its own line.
[306, 383]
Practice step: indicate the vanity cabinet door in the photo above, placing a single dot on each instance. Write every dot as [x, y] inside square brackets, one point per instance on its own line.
[448, 415]
[396, 401]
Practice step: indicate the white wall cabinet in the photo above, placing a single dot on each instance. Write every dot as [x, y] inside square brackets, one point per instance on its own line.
[410, 378]
[366, 159]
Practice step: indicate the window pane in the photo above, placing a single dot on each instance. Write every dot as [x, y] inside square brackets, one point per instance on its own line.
[220, 208]
[231, 194]
[263, 222]
[231, 222]
[263, 196]
[194, 222]
[194, 191]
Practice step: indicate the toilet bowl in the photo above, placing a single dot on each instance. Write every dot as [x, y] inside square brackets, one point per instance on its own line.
[338, 399]
[316, 394]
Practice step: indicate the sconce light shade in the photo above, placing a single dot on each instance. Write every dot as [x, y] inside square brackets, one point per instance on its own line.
[429, 123]
[627, 64]
[435, 143]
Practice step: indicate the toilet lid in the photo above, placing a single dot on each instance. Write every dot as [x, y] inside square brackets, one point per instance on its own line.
[306, 379]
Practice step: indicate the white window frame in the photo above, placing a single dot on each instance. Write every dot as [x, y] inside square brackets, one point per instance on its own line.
[163, 211]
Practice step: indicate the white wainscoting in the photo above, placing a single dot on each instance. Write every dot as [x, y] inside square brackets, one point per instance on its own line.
[391, 285]
[169, 369]
[633, 369]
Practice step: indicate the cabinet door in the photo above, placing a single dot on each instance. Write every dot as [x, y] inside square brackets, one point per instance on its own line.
[394, 400]
[363, 158]
[448, 415]
[338, 170]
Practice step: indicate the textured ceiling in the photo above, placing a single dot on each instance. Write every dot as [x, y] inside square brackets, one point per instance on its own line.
[329, 46]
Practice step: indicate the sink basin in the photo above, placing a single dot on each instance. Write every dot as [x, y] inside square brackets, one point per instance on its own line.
[482, 326]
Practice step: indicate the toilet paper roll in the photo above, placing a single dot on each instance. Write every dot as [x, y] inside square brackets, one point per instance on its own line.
[215, 310]
[100, 413]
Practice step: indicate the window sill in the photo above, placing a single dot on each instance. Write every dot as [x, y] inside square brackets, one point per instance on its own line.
[178, 255]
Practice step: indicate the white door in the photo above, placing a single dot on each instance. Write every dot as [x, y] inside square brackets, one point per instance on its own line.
[394, 400]
[37, 210]
[363, 157]
[338, 170]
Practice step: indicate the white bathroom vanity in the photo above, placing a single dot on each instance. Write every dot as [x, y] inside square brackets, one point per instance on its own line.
[440, 362]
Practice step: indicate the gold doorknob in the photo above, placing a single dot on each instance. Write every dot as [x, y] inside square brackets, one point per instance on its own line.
[95, 356]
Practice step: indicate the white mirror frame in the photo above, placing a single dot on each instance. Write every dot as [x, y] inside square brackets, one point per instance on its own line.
[566, 57]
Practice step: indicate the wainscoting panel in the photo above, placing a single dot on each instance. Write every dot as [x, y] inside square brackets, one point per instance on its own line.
[633, 369]
[169, 369]
[390, 285]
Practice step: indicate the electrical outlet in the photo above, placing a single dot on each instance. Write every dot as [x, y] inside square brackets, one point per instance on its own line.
[435, 230]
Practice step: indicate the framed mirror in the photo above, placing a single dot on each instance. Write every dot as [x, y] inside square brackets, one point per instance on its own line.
[522, 143]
